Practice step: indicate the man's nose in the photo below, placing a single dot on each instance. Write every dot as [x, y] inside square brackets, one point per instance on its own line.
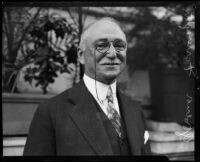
[112, 52]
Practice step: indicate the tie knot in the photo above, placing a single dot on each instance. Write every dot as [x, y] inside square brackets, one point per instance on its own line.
[109, 95]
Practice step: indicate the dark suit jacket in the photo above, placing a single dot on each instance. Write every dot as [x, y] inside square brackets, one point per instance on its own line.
[68, 124]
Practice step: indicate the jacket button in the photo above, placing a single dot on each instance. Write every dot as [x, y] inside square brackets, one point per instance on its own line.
[121, 142]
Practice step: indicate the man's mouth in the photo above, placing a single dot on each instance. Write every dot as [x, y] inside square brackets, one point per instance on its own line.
[110, 63]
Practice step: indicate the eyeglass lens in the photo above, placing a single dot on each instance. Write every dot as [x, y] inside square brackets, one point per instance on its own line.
[104, 46]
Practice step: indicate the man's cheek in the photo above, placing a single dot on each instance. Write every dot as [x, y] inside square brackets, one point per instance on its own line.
[122, 57]
[100, 56]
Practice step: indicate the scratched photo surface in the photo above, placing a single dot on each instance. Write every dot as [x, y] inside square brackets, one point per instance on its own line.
[41, 59]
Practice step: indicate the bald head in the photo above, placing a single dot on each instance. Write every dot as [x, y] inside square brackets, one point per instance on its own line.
[103, 24]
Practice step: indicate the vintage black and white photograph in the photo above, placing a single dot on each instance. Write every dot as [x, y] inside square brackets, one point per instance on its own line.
[86, 80]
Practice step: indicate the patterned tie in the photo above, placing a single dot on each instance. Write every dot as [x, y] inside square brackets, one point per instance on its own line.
[113, 115]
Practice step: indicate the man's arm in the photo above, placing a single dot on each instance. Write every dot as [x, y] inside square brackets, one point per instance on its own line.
[41, 139]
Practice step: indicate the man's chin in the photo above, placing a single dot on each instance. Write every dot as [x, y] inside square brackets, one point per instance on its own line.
[110, 77]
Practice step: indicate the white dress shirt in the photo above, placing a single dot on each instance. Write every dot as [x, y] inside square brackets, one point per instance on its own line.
[101, 89]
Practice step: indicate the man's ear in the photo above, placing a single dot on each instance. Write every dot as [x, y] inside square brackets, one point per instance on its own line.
[81, 56]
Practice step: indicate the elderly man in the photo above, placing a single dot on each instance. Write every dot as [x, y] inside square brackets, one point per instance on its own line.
[93, 117]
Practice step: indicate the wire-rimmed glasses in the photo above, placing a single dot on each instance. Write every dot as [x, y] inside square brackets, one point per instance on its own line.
[104, 46]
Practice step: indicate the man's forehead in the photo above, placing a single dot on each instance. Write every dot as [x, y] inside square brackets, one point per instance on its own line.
[105, 28]
[104, 25]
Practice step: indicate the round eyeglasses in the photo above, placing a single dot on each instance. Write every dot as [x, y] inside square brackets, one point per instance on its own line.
[104, 46]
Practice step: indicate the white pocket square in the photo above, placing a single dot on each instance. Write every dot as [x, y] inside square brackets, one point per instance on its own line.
[146, 136]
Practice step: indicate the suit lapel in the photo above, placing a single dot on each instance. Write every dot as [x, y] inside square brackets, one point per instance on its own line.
[88, 120]
[130, 114]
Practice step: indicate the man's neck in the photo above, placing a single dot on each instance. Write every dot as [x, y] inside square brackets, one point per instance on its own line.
[107, 82]
[93, 84]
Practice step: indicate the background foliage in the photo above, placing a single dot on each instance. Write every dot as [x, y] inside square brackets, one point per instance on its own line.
[25, 41]
[159, 41]
[154, 41]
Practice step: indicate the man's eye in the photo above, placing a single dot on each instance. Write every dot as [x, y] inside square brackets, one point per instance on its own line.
[101, 46]
[120, 45]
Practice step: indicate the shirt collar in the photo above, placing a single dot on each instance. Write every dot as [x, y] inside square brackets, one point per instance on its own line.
[101, 88]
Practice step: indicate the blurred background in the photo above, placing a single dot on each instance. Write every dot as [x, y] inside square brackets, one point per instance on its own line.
[160, 68]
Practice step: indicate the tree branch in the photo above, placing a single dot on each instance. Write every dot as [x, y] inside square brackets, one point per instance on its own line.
[27, 28]
[70, 14]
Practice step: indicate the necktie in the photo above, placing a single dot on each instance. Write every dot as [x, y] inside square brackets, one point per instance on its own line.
[113, 115]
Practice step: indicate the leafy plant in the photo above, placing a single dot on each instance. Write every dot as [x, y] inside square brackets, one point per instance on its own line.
[35, 47]
[49, 60]
[17, 22]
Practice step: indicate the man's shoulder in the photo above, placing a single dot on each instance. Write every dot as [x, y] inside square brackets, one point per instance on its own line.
[65, 97]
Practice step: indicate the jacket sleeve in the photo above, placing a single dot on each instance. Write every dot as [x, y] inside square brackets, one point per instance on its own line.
[41, 138]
